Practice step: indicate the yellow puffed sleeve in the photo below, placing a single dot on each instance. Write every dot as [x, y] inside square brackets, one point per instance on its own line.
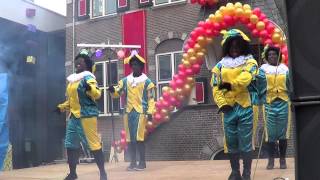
[218, 95]
[151, 96]
[95, 92]
[65, 106]
[246, 76]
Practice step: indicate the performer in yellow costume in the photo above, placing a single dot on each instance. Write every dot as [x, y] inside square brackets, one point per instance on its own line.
[139, 92]
[232, 78]
[274, 87]
[82, 93]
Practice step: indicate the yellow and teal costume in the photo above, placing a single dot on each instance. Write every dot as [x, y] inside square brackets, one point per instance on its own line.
[139, 93]
[82, 123]
[239, 72]
[274, 89]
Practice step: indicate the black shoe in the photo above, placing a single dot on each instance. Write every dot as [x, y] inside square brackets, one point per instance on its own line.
[247, 161]
[283, 164]
[140, 167]
[235, 175]
[270, 163]
[71, 177]
[131, 167]
[235, 166]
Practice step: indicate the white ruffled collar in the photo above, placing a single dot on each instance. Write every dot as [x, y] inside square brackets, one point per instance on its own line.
[280, 69]
[134, 81]
[230, 62]
[79, 76]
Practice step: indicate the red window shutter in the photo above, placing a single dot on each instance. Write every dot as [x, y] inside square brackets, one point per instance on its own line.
[123, 5]
[145, 3]
[82, 8]
[200, 92]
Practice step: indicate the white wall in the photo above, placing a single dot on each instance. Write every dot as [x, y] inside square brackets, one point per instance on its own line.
[45, 20]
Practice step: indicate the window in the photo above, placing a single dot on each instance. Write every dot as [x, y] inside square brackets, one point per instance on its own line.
[167, 66]
[104, 103]
[103, 7]
[162, 2]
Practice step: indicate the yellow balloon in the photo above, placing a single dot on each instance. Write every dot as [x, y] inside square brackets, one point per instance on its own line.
[201, 40]
[209, 40]
[218, 17]
[204, 50]
[172, 92]
[165, 89]
[246, 7]
[276, 38]
[247, 13]
[191, 52]
[260, 25]
[164, 112]
[200, 55]
[211, 17]
[190, 80]
[197, 47]
[187, 89]
[238, 5]
[185, 56]
[186, 63]
[179, 91]
[239, 12]
[229, 5]
[193, 60]
[254, 19]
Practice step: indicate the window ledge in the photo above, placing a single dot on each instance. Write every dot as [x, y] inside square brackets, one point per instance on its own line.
[108, 115]
[93, 19]
[169, 4]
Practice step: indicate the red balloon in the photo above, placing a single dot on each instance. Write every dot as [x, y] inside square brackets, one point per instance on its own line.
[173, 84]
[178, 104]
[200, 31]
[123, 134]
[202, 2]
[158, 118]
[196, 68]
[191, 43]
[193, 34]
[277, 45]
[262, 16]
[228, 20]
[270, 28]
[186, 48]
[244, 20]
[173, 100]
[263, 34]
[182, 75]
[189, 71]
[181, 67]
[207, 25]
[165, 104]
[284, 50]
[179, 82]
[158, 105]
[268, 41]
[217, 26]
[201, 24]
[255, 32]
[251, 26]
[193, 1]
[165, 95]
[123, 143]
[257, 11]
[209, 33]
[224, 25]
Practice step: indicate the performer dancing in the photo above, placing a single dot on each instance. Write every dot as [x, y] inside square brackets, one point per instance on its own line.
[139, 94]
[82, 93]
[231, 82]
[274, 87]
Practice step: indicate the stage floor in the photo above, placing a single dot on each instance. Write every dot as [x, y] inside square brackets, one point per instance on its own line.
[156, 170]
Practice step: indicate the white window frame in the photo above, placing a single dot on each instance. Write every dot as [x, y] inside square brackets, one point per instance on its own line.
[172, 69]
[103, 10]
[170, 2]
[103, 88]
[84, 7]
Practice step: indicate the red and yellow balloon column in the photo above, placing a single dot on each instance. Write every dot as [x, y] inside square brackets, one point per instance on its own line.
[195, 50]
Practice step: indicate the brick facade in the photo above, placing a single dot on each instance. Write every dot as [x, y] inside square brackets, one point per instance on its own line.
[194, 132]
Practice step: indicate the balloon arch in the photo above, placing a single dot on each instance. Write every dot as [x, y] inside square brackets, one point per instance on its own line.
[195, 50]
